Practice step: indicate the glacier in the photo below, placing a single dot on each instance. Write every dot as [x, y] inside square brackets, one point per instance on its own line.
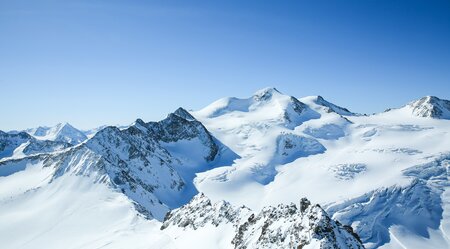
[226, 176]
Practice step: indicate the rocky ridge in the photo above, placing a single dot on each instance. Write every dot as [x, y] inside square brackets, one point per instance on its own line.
[284, 226]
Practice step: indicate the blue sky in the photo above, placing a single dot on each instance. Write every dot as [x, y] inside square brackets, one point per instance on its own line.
[109, 62]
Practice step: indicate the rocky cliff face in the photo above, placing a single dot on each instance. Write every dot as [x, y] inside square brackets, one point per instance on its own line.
[142, 161]
[180, 125]
[431, 106]
[284, 226]
[22, 144]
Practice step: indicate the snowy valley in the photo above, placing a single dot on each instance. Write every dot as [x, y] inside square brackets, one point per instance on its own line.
[268, 171]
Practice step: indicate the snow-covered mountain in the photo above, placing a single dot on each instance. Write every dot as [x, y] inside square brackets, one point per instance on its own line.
[62, 132]
[148, 162]
[91, 132]
[341, 160]
[22, 144]
[382, 178]
[430, 106]
[284, 226]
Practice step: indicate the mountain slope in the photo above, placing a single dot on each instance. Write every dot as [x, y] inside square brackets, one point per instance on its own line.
[22, 144]
[385, 174]
[272, 130]
[431, 106]
[284, 226]
[62, 132]
[426, 107]
[363, 156]
[141, 161]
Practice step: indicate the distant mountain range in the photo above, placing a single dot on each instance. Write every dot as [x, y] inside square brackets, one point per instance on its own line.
[268, 171]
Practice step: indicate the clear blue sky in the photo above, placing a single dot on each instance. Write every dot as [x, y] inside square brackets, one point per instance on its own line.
[109, 62]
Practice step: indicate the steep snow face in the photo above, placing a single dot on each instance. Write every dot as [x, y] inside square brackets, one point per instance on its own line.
[252, 126]
[328, 107]
[267, 130]
[22, 144]
[180, 125]
[70, 212]
[10, 142]
[352, 162]
[267, 105]
[284, 226]
[386, 175]
[143, 161]
[291, 147]
[431, 106]
[426, 107]
[62, 132]
[414, 208]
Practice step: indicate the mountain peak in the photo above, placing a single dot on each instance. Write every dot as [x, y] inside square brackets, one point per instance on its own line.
[62, 124]
[63, 132]
[265, 93]
[430, 99]
[319, 100]
[430, 106]
[181, 112]
[65, 126]
[139, 122]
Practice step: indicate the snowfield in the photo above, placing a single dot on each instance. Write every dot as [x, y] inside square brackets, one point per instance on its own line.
[226, 176]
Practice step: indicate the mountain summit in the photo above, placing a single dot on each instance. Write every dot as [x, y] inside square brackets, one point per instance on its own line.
[379, 181]
[62, 132]
[430, 106]
[283, 226]
[266, 93]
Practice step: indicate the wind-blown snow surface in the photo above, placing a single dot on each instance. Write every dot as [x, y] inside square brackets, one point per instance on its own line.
[362, 175]
[386, 175]
[111, 190]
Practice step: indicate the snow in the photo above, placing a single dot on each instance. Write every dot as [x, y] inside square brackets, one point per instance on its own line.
[429, 106]
[22, 177]
[363, 154]
[284, 226]
[206, 237]
[71, 212]
[63, 132]
[385, 174]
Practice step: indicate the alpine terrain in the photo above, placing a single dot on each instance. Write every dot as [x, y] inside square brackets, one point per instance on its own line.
[267, 171]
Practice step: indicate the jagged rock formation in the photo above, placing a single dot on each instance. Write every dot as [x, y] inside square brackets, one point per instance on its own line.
[291, 147]
[201, 211]
[142, 161]
[430, 106]
[360, 169]
[180, 125]
[284, 226]
[22, 144]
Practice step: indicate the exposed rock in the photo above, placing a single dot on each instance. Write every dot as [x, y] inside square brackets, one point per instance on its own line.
[284, 226]
[333, 108]
[10, 143]
[431, 106]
